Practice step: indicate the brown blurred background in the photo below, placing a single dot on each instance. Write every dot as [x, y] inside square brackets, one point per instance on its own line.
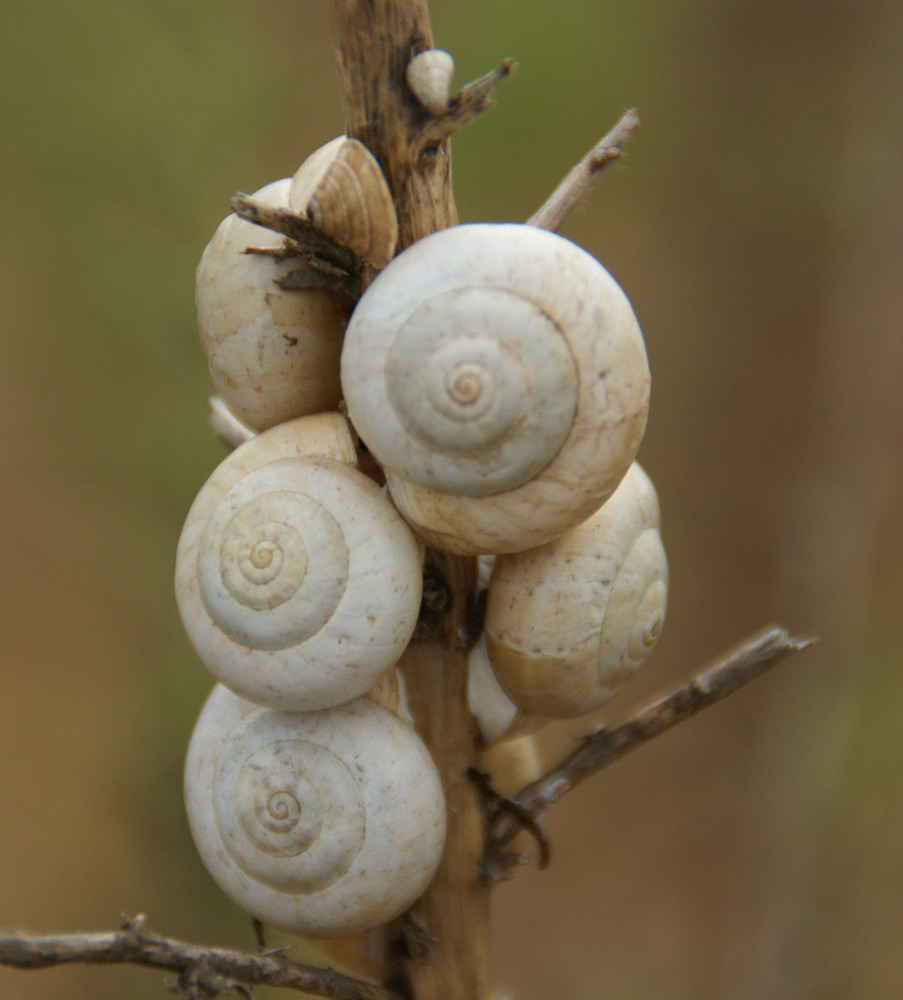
[757, 225]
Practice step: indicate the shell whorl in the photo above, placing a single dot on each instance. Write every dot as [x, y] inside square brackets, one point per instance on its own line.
[320, 823]
[498, 369]
[472, 375]
[298, 583]
[285, 830]
[272, 545]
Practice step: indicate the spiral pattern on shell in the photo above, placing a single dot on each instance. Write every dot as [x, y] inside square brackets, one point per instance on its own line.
[569, 622]
[287, 832]
[297, 581]
[472, 375]
[498, 374]
[269, 546]
[320, 823]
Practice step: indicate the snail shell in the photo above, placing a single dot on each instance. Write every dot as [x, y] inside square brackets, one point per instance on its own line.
[498, 718]
[499, 375]
[297, 581]
[429, 76]
[512, 764]
[319, 823]
[343, 191]
[225, 425]
[569, 622]
[273, 354]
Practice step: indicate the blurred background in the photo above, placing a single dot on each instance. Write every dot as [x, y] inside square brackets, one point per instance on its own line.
[756, 224]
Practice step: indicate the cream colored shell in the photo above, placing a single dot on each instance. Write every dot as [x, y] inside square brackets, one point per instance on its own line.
[512, 764]
[342, 190]
[298, 583]
[499, 375]
[429, 75]
[273, 354]
[569, 622]
[318, 823]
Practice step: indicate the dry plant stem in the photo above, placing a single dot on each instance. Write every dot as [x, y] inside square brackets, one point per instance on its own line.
[374, 41]
[730, 671]
[439, 950]
[442, 943]
[575, 187]
[202, 971]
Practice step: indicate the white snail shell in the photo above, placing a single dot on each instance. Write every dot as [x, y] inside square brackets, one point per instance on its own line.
[318, 823]
[297, 581]
[273, 354]
[341, 188]
[569, 622]
[429, 75]
[497, 372]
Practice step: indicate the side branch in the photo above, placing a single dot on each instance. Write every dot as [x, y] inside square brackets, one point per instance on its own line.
[740, 665]
[464, 106]
[574, 188]
[295, 227]
[202, 971]
[322, 261]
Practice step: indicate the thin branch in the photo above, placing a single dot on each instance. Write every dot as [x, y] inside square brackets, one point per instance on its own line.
[468, 103]
[202, 970]
[730, 671]
[574, 188]
[311, 241]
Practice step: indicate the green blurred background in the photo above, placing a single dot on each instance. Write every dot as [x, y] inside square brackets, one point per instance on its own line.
[757, 225]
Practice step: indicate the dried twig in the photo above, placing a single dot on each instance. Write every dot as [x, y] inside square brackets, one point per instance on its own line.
[202, 971]
[571, 191]
[322, 261]
[730, 671]
[463, 107]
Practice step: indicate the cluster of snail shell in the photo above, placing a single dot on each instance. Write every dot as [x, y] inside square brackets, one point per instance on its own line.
[486, 395]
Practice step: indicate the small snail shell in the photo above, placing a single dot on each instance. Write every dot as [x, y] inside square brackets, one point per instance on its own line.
[498, 718]
[273, 354]
[499, 375]
[390, 692]
[569, 622]
[225, 425]
[429, 76]
[319, 823]
[297, 581]
[343, 191]
[512, 764]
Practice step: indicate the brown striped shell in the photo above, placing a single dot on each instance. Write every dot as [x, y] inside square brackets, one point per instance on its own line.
[342, 190]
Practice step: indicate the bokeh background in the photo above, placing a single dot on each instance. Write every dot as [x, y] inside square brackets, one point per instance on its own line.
[757, 225]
